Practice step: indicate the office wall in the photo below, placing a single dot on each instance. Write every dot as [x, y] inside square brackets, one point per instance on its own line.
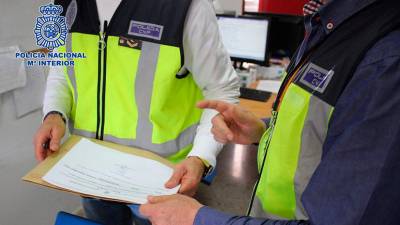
[232, 5]
[22, 203]
[17, 21]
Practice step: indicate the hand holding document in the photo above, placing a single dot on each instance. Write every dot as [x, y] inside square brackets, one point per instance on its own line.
[96, 170]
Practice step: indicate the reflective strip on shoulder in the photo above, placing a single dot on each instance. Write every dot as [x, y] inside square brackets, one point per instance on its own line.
[276, 185]
[143, 86]
[303, 118]
[313, 136]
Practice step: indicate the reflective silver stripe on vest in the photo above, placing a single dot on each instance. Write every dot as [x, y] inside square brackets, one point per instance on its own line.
[84, 133]
[143, 86]
[70, 18]
[185, 138]
[313, 137]
[165, 149]
[312, 140]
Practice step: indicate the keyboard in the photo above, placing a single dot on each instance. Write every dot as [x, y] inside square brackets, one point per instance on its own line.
[254, 94]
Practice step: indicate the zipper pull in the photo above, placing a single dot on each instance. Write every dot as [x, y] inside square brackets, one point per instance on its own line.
[273, 118]
[102, 41]
[270, 130]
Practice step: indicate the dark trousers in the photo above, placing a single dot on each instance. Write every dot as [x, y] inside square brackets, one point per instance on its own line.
[111, 213]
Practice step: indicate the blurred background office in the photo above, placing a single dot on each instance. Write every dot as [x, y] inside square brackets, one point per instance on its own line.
[260, 36]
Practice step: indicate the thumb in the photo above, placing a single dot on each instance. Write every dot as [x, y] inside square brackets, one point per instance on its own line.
[175, 178]
[158, 199]
[145, 209]
[242, 116]
[56, 136]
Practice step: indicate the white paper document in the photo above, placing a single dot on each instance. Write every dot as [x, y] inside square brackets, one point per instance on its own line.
[269, 85]
[93, 169]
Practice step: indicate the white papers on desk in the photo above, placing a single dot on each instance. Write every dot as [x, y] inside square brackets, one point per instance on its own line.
[12, 70]
[269, 85]
[93, 169]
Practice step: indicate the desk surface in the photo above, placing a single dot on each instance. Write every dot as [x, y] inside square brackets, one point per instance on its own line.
[260, 109]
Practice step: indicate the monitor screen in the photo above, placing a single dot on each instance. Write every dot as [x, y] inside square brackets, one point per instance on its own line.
[286, 32]
[245, 38]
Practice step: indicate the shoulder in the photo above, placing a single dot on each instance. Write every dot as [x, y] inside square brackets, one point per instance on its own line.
[200, 17]
[200, 7]
[379, 70]
[387, 47]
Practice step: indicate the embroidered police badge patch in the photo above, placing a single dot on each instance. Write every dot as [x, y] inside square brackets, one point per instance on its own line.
[51, 28]
[147, 30]
[316, 77]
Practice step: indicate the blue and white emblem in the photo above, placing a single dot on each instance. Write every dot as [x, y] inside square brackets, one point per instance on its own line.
[51, 29]
[316, 77]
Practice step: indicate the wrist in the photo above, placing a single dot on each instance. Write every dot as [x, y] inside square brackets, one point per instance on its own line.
[54, 115]
[198, 161]
[208, 168]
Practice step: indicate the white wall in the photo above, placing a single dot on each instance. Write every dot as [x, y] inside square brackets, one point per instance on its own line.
[17, 22]
[22, 203]
[232, 5]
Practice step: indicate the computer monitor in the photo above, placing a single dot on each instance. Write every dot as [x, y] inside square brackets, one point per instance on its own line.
[286, 33]
[245, 38]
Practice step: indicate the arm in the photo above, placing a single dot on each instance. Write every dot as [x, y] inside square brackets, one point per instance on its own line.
[207, 59]
[57, 98]
[358, 173]
[209, 216]
[182, 210]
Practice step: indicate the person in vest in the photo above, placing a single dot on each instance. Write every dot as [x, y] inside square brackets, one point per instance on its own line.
[330, 154]
[147, 64]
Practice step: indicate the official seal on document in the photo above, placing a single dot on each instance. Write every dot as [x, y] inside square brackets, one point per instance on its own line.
[51, 29]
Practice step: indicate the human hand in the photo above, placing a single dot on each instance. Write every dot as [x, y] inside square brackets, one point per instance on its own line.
[170, 210]
[52, 129]
[234, 123]
[188, 173]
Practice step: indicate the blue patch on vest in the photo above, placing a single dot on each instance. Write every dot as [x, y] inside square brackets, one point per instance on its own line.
[316, 78]
[147, 30]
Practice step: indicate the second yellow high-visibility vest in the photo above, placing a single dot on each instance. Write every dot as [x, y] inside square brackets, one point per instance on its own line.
[291, 149]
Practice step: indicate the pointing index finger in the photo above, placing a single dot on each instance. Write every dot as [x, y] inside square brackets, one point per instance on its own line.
[218, 105]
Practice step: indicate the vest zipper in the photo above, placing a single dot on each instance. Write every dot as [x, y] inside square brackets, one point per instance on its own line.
[101, 82]
[270, 131]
